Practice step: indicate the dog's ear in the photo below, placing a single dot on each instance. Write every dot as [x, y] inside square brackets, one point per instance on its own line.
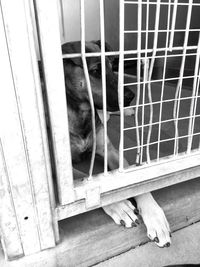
[108, 48]
[72, 48]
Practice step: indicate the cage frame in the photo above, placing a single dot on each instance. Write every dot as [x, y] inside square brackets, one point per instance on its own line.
[74, 198]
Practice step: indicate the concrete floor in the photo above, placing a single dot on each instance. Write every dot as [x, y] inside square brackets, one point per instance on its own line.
[185, 248]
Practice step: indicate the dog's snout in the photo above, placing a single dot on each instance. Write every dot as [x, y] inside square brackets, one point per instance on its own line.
[128, 97]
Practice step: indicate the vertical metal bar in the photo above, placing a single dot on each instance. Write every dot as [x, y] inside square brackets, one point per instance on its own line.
[145, 78]
[173, 25]
[21, 138]
[195, 105]
[194, 99]
[103, 71]
[138, 79]
[121, 83]
[179, 84]
[85, 68]
[10, 229]
[41, 117]
[49, 40]
[62, 17]
[163, 81]
[150, 75]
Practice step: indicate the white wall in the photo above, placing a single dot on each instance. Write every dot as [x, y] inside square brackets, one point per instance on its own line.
[72, 27]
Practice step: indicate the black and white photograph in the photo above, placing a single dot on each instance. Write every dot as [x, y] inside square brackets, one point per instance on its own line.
[99, 133]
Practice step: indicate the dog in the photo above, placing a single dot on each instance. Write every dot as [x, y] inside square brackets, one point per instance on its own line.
[81, 140]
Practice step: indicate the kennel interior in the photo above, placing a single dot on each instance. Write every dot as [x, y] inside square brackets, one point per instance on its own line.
[156, 45]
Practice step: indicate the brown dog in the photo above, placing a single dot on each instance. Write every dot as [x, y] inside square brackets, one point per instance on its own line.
[80, 126]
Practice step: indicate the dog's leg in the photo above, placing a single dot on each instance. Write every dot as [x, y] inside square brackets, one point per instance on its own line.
[158, 229]
[124, 212]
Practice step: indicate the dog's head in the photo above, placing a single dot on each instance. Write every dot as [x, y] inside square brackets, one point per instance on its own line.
[75, 78]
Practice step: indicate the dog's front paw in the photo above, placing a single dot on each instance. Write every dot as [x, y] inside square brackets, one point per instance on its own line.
[123, 213]
[158, 229]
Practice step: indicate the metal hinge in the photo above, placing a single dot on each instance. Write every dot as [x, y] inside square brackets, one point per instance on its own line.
[92, 196]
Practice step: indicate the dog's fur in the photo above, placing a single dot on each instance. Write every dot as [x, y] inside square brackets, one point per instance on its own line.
[79, 114]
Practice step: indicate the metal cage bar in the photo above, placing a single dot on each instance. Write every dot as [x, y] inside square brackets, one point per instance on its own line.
[24, 146]
[85, 68]
[33, 193]
[194, 98]
[163, 79]
[150, 75]
[49, 40]
[179, 84]
[145, 78]
[171, 40]
[121, 83]
[139, 22]
[103, 68]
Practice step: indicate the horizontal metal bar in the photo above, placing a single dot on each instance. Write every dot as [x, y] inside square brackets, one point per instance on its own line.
[128, 52]
[160, 31]
[143, 179]
[162, 141]
[159, 80]
[161, 101]
[163, 56]
[162, 3]
[163, 121]
[138, 174]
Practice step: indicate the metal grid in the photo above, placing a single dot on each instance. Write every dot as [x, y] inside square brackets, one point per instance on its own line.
[146, 54]
[31, 206]
[149, 57]
[163, 136]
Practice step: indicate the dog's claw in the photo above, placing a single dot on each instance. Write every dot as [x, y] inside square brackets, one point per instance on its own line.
[167, 245]
[133, 224]
[136, 211]
[137, 221]
[156, 239]
[122, 223]
[122, 213]
[154, 219]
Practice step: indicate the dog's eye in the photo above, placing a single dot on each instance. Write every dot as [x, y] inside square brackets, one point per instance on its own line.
[96, 72]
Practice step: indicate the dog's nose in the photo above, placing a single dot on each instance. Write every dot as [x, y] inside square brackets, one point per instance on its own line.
[128, 97]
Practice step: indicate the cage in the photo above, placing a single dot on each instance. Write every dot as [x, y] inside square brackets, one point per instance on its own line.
[156, 46]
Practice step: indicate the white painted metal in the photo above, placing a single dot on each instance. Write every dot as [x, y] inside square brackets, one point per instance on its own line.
[130, 52]
[10, 235]
[164, 3]
[143, 54]
[138, 79]
[163, 79]
[145, 77]
[194, 112]
[48, 29]
[62, 18]
[85, 68]
[193, 104]
[41, 117]
[147, 172]
[118, 186]
[173, 24]
[28, 203]
[103, 71]
[180, 81]
[121, 83]
[155, 43]
[156, 81]
[22, 126]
